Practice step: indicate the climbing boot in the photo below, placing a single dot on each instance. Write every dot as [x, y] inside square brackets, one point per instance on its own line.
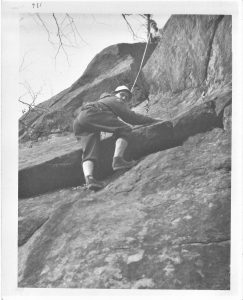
[93, 184]
[119, 163]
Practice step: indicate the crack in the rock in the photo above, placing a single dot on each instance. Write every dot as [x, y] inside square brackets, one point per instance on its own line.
[220, 18]
[25, 240]
[42, 224]
[123, 191]
[42, 245]
[201, 243]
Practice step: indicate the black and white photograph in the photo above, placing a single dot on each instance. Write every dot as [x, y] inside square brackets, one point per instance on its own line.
[124, 145]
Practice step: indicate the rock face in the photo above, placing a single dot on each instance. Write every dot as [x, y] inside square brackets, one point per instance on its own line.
[164, 224]
[190, 50]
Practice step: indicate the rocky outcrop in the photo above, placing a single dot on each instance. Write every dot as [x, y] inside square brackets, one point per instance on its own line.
[219, 71]
[52, 172]
[164, 224]
[53, 168]
[185, 57]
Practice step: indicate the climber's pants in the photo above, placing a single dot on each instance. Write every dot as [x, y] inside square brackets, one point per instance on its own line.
[88, 126]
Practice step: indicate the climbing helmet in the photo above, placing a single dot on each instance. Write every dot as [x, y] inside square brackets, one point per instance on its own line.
[122, 88]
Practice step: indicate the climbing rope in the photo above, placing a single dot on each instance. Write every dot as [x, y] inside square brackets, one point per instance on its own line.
[140, 68]
[153, 26]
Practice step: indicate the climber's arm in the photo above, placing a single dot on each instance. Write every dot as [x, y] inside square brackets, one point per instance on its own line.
[130, 116]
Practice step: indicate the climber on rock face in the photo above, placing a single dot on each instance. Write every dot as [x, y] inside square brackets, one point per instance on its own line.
[102, 116]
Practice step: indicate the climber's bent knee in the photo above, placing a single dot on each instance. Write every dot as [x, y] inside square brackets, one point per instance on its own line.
[92, 159]
[124, 132]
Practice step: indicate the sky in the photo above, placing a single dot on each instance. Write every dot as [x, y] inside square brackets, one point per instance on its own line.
[47, 73]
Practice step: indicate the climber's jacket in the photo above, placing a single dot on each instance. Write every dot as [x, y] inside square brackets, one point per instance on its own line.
[120, 109]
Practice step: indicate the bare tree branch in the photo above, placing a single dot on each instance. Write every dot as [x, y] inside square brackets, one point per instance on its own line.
[143, 16]
[30, 91]
[75, 29]
[129, 26]
[63, 20]
[22, 66]
[60, 40]
[33, 17]
[69, 38]
[32, 106]
[70, 44]
[99, 22]
[45, 27]
[33, 96]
